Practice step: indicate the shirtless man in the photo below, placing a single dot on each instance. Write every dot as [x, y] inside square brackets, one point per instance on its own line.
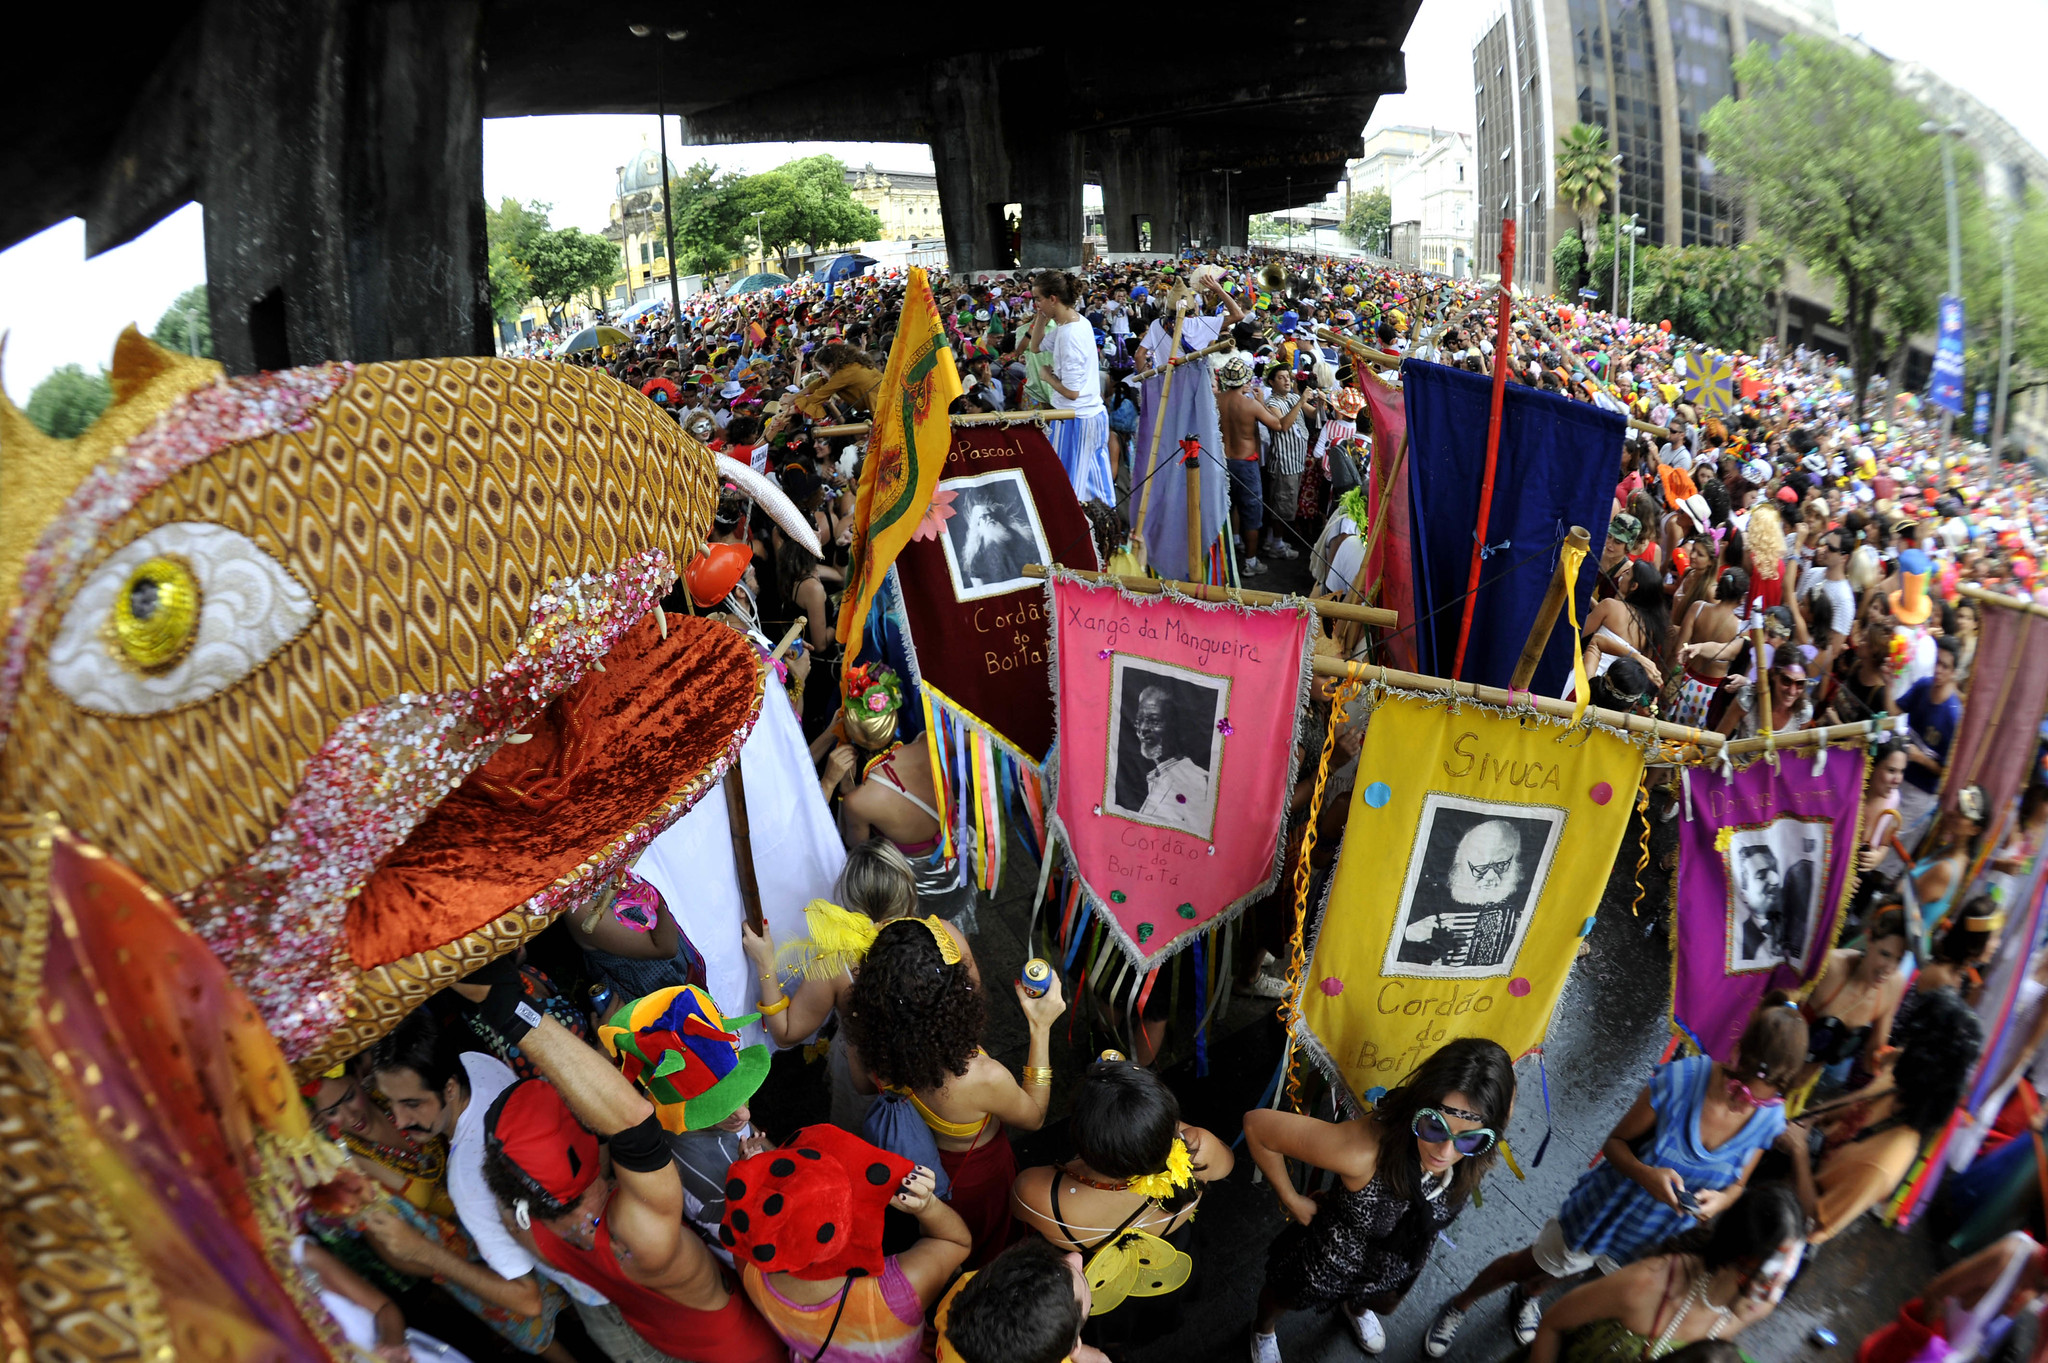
[1240, 413]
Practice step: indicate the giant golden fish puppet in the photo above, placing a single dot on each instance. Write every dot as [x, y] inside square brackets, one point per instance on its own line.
[318, 690]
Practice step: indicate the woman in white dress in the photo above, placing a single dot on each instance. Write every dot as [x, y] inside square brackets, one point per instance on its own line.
[1074, 374]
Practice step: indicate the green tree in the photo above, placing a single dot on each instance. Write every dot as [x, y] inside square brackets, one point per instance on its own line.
[512, 229]
[1830, 159]
[68, 400]
[1568, 263]
[706, 206]
[1586, 175]
[806, 201]
[1368, 219]
[186, 326]
[567, 262]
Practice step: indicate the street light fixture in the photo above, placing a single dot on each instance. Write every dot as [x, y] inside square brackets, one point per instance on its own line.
[668, 220]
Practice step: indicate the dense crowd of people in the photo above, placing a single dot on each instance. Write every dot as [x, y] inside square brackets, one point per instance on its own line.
[571, 1137]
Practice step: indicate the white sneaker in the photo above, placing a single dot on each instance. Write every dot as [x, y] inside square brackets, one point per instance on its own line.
[1525, 1314]
[1366, 1329]
[1265, 1348]
[1250, 567]
[1437, 1342]
[1282, 549]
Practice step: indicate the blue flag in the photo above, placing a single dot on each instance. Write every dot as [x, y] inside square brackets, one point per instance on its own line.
[1558, 465]
[1947, 388]
[1982, 421]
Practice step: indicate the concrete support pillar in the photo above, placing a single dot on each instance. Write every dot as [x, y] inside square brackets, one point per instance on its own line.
[1203, 194]
[991, 148]
[343, 180]
[972, 164]
[1045, 179]
[1140, 184]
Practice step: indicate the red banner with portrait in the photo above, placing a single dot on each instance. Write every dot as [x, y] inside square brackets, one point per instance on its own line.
[978, 627]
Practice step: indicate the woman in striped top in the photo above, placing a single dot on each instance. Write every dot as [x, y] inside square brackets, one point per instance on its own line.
[1286, 455]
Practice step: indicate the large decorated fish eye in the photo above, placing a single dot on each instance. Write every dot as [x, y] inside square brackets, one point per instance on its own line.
[156, 615]
[174, 618]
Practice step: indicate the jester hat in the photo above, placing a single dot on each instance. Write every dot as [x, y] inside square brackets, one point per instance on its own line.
[676, 1045]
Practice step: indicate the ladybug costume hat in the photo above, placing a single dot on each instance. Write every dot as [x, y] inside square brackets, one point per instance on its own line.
[813, 1207]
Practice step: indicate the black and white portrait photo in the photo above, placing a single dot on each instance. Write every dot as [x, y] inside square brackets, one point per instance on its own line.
[1165, 744]
[1474, 878]
[993, 533]
[1774, 886]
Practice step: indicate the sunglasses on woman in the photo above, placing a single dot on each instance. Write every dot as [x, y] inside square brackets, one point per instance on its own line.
[1432, 1127]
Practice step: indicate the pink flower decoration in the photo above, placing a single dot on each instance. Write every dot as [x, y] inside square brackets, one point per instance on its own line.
[936, 515]
[877, 701]
[1103, 654]
[1223, 727]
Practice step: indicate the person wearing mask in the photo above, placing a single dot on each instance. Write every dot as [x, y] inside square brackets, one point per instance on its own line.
[1683, 1152]
[1403, 1173]
[1657, 1305]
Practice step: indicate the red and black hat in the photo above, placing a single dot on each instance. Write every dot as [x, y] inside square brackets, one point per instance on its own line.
[813, 1207]
[534, 1131]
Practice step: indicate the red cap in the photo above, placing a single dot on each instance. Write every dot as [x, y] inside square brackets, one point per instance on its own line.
[714, 573]
[535, 1131]
[1786, 494]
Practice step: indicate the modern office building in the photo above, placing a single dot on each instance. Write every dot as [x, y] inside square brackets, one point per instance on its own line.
[1648, 71]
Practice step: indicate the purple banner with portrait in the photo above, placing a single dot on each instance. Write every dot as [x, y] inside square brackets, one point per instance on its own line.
[1766, 863]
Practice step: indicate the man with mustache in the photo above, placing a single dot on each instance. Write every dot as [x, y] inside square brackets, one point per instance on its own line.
[1484, 885]
[1176, 790]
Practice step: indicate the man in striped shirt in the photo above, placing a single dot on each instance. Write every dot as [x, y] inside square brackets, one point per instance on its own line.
[1286, 456]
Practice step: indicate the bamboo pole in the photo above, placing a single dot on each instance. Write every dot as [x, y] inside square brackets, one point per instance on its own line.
[742, 843]
[1180, 317]
[1807, 738]
[1494, 695]
[1193, 465]
[1359, 348]
[1226, 343]
[1237, 596]
[1546, 616]
[1986, 597]
[1761, 691]
[796, 627]
[966, 419]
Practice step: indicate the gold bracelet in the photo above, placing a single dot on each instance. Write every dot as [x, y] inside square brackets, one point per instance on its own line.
[769, 1010]
[1038, 1074]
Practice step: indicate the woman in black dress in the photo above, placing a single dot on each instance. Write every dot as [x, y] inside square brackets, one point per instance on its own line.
[1404, 1172]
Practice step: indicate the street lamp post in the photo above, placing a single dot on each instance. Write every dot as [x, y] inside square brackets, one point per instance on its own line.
[2005, 227]
[760, 237]
[668, 220]
[1948, 132]
[1614, 298]
[1635, 233]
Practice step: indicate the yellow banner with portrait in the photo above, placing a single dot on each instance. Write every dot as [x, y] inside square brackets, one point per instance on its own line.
[1476, 848]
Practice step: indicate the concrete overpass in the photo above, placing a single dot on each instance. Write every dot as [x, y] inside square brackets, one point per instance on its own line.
[336, 145]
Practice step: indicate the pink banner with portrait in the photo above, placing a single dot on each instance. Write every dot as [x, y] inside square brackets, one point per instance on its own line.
[1175, 755]
[1766, 863]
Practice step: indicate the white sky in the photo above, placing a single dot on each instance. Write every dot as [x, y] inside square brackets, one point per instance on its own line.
[60, 308]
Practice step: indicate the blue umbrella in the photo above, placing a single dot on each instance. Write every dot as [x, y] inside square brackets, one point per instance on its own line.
[753, 283]
[840, 267]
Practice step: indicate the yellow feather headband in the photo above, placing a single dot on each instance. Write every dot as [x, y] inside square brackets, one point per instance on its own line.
[840, 938]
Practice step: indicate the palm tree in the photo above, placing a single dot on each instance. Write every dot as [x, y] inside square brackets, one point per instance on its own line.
[1586, 175]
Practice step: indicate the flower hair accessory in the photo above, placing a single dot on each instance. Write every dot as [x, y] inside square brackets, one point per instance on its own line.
[1178, 1173]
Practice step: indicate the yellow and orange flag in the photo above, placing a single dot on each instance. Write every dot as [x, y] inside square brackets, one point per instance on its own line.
[906, 450]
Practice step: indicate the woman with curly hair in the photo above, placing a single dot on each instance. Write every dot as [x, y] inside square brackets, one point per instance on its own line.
[1404, 1172]
[915, 1016]
[1869, 1145]
[1135, 1180]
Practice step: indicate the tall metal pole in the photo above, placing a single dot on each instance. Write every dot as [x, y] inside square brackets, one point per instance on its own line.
[1614, 298]
[1633, 232]
[1947, 133]
[668, 220]
[2005, 224]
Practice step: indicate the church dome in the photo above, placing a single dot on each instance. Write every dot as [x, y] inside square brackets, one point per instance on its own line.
[643, 172]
